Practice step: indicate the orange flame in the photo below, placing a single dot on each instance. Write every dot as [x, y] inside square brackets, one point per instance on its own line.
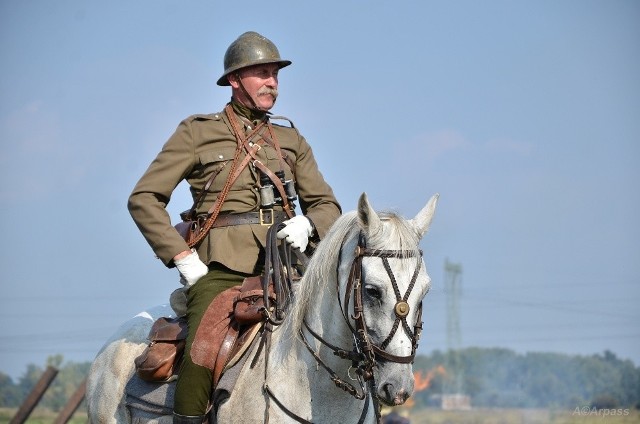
[422, 381]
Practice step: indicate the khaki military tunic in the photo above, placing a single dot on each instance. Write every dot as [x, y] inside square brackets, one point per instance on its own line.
[200, 144]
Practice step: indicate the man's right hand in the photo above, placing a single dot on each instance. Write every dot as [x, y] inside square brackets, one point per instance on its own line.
[190, 267]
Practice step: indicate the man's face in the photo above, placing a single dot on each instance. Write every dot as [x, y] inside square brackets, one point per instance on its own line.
[260, 82]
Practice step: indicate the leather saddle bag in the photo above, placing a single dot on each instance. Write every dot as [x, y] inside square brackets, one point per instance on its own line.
[248, 307]
[159, 360]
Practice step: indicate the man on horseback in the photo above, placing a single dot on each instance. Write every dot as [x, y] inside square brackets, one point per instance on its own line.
[249, 171]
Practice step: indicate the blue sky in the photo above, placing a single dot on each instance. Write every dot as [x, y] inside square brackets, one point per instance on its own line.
[524, 116]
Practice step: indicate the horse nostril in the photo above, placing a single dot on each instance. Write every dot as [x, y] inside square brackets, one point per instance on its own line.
[401, 397]
[393, 397]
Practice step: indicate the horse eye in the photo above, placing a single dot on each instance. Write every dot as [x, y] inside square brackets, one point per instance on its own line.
[373, 292]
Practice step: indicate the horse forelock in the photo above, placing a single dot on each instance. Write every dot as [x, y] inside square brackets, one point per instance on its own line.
[397, 234]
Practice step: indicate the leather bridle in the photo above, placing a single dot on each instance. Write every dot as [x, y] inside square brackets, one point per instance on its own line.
[365, 354]
[369, 351]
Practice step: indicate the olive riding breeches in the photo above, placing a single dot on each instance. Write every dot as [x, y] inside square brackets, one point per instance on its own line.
[194, 386]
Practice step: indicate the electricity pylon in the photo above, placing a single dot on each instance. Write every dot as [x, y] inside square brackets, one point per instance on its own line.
[453, 291]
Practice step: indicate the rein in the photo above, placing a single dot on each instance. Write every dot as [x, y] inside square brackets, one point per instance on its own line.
[279, 272]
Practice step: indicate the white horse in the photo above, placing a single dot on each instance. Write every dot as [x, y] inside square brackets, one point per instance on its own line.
[346, 344]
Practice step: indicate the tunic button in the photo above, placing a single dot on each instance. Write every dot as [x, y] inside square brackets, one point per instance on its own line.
[220, 156]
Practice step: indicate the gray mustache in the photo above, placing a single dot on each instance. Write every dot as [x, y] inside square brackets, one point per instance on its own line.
[266, 90]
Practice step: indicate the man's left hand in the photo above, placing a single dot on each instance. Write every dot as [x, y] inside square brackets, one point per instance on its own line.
[297, 231]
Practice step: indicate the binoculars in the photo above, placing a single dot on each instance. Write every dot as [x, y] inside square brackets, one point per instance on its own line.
[270, 195]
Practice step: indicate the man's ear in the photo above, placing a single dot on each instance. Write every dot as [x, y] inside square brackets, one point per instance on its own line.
[233, 79]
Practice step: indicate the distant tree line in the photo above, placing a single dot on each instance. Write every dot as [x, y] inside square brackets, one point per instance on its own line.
[492, 377]
[502, 378]
[67, 381]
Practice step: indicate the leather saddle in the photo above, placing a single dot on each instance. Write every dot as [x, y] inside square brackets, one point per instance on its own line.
[230, 323]
[228, 327]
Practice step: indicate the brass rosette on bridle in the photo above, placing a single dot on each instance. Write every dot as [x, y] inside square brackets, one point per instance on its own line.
[402, 309]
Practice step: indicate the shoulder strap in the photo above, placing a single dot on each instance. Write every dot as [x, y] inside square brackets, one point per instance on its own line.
[273, 177]
[236, 168]
[282, 118]
[284, 158]
[261, 136]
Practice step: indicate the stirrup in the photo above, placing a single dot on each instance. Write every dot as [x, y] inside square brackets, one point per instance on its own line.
[188, 419]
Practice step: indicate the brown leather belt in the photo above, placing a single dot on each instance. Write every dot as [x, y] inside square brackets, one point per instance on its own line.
[265, 217]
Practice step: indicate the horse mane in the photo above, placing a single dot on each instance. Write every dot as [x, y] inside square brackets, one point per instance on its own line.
[321, 272]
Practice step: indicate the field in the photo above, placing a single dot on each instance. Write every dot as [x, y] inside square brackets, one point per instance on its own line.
[41, 416]
[436, 416]
[524, 416]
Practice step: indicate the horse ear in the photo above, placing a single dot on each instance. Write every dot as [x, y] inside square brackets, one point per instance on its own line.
[422, 220]
[367, 217]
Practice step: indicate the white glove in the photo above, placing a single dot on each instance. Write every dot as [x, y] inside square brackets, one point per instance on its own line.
[297, 232]
[191, 269]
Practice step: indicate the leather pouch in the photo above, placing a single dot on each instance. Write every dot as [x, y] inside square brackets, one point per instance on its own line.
[160, 359]
[190, 226]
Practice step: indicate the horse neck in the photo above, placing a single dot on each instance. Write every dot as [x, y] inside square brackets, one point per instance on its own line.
[326, 319]
[317, 301]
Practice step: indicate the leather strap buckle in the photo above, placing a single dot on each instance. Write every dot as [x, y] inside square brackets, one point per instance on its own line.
[268, 214]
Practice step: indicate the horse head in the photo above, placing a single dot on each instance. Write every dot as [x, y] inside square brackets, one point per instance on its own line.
[385, 285]
[361, 296]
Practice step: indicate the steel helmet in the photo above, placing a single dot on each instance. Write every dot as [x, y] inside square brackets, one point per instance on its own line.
[250, 49]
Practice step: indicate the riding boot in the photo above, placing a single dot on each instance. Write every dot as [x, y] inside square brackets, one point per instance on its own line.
[188, 419]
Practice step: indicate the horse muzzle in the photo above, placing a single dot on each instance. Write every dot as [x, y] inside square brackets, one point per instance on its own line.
[393, 396]
[396, 388]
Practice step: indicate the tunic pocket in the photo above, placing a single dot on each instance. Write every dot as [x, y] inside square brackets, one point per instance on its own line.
[218, 160]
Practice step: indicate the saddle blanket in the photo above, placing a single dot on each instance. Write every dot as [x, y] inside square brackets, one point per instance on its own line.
[157, 398]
